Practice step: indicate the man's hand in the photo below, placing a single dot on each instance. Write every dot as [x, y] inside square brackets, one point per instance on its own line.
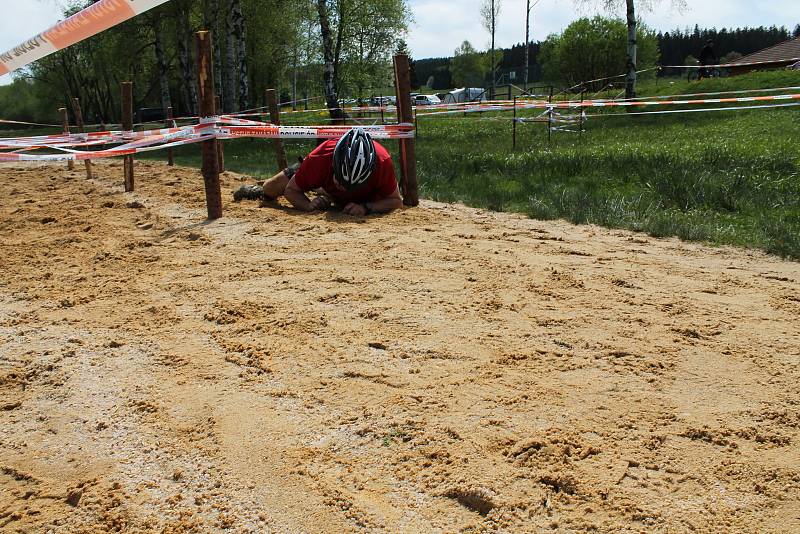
[319, 203]
[355, 209]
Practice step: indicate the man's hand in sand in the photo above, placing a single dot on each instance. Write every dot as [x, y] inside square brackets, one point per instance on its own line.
[355, 209]
[320, 203]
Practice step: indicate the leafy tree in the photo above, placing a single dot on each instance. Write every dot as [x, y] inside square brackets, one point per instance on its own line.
[359, 34]
[258, 44]
[594, 48]
[469, 66]
[632, 34]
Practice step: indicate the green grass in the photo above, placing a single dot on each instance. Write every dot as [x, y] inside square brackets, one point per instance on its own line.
[727, 177]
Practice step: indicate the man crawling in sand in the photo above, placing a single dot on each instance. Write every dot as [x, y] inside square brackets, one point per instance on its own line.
[354, 173]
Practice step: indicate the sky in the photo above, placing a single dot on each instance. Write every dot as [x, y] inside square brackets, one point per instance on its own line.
[441, 25]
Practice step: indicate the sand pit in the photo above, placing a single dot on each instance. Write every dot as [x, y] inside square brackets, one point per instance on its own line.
[440, 369]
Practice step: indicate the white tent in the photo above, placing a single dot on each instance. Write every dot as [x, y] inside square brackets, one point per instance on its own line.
[471, 94]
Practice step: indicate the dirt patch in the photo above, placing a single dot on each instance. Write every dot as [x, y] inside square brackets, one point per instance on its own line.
[436, 369]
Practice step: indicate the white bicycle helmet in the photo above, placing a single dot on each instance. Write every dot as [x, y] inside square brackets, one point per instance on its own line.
[354, 159]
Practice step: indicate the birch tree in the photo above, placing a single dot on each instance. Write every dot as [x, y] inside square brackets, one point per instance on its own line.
[630, 18]
[490, 10]
[528, 7]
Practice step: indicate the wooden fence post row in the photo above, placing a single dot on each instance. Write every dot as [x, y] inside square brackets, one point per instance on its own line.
[127, 126]
[76, 108]
[408, 161]
[275, 118]
[205, 82]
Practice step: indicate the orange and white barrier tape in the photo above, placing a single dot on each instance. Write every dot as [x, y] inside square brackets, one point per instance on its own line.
[269, 131]
[613, 103]
[94, 19]
[224, 127]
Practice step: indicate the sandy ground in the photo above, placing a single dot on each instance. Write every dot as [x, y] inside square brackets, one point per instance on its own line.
[440, 369]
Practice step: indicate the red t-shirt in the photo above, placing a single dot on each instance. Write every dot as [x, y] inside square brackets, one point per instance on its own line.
[317, 171]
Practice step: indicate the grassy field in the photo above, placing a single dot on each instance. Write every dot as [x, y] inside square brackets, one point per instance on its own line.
[727, 177]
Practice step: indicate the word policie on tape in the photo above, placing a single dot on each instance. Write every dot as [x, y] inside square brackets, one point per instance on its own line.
[94, 19]
[224, 127]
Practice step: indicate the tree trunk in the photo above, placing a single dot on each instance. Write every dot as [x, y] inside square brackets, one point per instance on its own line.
[328, 71]
[630, 81]
[494, 20]
[163, 68]
[241, 56]
[229, 73]
[337, 52]
[188, 75]
[216, 35]
[527, 40]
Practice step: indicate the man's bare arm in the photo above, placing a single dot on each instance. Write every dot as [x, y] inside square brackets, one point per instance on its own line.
[299, 200]
[384, 205]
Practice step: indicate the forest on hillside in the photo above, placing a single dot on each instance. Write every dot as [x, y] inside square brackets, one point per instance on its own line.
[674, 48]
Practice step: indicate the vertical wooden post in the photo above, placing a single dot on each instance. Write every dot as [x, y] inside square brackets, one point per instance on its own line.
[127, 126]
[205, 82]
[514, 127]
[168, 124]
[550, 117]
[275, 118]
[65, 125]
[381, 104]
[76, 108]
[408, 162]
[220, 149]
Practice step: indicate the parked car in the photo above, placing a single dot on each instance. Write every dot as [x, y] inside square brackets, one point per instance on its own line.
[381, 100]
[426, 100]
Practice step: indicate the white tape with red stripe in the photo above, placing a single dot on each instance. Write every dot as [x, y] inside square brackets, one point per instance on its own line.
[94, 19]
[224, 127]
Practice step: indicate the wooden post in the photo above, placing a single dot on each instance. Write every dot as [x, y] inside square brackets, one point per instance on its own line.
[381, 104]
[220, 149]
[168, 124]
[514, 128]
[205, 82]
[408, 162]
[65, 124]
[550, 117]
[275, 118]
[76, 108]
[127, 126]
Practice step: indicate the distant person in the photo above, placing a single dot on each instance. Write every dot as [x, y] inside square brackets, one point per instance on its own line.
[354, 173]
[707, 57]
